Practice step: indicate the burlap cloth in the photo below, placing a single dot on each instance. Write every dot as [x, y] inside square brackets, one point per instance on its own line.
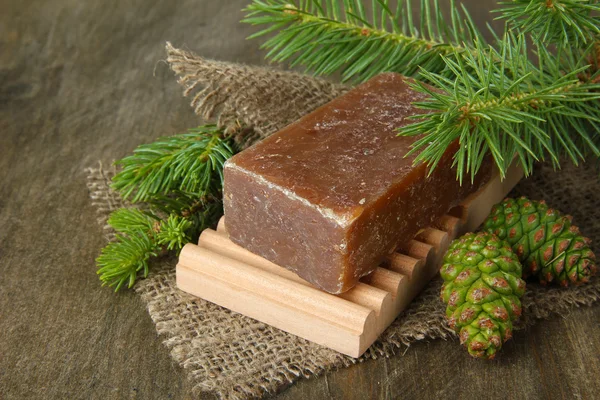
[238, 357]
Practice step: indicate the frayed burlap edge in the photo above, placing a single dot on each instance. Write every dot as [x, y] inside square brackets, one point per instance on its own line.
[248, 102]
[237, 357]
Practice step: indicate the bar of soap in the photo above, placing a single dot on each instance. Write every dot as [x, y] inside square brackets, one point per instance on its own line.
[332, 194]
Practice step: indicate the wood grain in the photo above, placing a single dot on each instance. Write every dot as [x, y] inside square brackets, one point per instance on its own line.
[81, 81]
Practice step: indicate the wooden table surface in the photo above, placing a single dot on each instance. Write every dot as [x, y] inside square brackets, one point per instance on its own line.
[82, 81]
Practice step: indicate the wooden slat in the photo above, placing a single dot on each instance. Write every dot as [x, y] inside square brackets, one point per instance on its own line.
[363, 294]
[416, 249]
[450, 224]
[292, 294]
[386, 280]
[221, 226]
[254, 305]
[404, 264]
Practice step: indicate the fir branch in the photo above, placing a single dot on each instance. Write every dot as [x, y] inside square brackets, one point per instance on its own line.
[120, 261]
[179, 179]
[568, 22]
[502, 104]
[143, 235]
[339, 35]
[191, 162]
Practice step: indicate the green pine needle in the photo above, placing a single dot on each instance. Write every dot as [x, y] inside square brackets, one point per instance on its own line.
[500, 103]
[568, 22]
[339, 35]
[191, 162]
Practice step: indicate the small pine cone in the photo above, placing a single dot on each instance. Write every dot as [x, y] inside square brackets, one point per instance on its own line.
[482, 288]
[548, 245]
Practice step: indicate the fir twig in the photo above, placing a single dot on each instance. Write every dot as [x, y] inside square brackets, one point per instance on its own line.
[191, 162]
[567, 22]
[179, 179]
[340, 35]
[120, 261]
[502, 104]
[144, 234]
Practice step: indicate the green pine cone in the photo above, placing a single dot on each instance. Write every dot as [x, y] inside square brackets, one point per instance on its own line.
[482, 288]
[548, 245]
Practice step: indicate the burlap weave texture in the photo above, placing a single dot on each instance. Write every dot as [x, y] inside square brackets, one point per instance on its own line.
[238, 357]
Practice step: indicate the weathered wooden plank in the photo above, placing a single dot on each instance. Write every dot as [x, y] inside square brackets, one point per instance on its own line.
[80, 81]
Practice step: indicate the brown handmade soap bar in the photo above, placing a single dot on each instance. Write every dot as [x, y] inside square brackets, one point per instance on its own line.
[331, 195]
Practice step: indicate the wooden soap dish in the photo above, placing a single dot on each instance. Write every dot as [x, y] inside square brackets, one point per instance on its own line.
[226, 274]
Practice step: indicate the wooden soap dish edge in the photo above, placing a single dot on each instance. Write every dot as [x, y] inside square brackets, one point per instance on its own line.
[352, 321]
